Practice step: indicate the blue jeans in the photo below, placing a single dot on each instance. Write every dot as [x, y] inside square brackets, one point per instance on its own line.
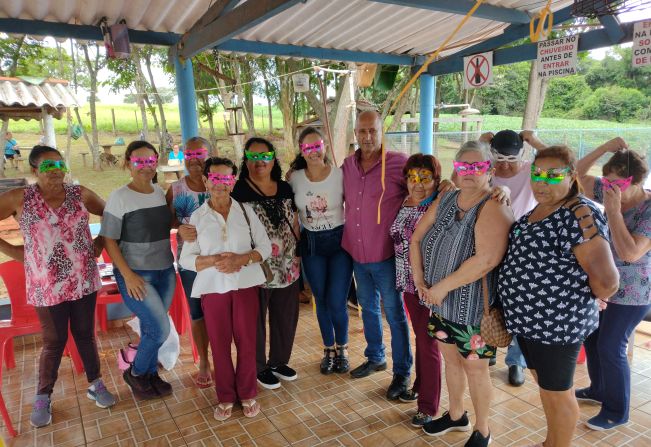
[152, 313]
[605, 348]
[187, 281]
[329, 274]
[375, 279]
[514, 355]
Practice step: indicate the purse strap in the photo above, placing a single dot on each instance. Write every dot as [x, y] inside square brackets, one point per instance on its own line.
[248, 222]
[259, 191]
[484, 286]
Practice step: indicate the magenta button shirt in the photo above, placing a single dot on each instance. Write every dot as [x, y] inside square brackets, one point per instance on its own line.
[364, 239]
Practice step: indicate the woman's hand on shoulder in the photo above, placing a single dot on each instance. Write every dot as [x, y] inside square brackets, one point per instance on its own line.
[446, 186]
[188, 232]
[501, 194]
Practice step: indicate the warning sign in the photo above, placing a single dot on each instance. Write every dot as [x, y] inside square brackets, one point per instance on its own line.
[642, 44]
[478, 70]
[557, 57]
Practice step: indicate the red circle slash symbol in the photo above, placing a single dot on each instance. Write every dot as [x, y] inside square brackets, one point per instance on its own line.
[477, 71]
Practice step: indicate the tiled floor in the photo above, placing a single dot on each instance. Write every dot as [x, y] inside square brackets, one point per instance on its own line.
[314, 410]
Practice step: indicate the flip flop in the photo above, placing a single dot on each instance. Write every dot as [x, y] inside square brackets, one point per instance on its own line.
[203, 380]
[223, 411]
[250, 408]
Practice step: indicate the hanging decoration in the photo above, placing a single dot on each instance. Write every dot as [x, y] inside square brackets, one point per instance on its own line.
[116, 39]
[301, 82]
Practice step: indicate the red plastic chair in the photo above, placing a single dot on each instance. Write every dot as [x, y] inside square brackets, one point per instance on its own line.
[180, 313]
[23, 321]
[108, 294]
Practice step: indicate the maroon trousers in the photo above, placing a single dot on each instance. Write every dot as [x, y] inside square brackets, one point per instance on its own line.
[233, 316]
[428, 358]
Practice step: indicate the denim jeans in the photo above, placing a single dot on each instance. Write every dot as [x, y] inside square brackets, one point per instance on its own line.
[329, 275]
[514, 355]
[187, 281]
[152, 313]
[375, 280]
[605, 348]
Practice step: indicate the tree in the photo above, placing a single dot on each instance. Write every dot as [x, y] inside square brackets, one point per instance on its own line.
[10, 51]
[565, 95]
[616, 103]
[92, 68]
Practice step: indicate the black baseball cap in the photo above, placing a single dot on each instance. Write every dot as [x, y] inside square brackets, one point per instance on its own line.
[507, 142]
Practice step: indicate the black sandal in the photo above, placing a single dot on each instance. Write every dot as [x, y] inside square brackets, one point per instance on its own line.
[341, 359]
[328, 362]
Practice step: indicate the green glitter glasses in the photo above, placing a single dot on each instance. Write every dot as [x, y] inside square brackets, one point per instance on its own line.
[51, 165]
[551, 176]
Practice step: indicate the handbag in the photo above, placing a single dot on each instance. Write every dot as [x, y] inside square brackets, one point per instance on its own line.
[268, 274]
[493, 327]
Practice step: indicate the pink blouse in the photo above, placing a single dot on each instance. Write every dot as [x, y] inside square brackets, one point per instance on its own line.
[60, 264]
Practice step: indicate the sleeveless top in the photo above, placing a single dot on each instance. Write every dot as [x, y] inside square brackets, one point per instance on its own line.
[401, 231]
[185, 202]
[60, 263]
[445, 246]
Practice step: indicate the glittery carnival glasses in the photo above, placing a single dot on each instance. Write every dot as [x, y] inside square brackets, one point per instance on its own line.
[260, 156]
[423, 176]
[551, 176]
[144, 162]
[307, 149]
[197, 154]
[477, 168]
[51, 165]
[221, 179]
[621, 183]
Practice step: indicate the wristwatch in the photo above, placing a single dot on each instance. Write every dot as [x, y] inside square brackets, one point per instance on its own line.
[250, 258]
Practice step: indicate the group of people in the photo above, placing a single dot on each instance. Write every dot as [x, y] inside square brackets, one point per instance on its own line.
[524, 235]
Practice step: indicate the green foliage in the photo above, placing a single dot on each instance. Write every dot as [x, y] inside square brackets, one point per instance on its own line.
[615, 103]
[508, 95]
[565, 94]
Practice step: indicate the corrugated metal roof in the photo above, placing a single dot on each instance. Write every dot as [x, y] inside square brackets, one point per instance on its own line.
[21, 99]
[357, 25]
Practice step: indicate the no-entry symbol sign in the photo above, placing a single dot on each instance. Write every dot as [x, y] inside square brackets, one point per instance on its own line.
[478, 70]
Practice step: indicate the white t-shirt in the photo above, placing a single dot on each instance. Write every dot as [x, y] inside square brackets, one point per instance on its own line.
[320, 204]
[522, 199]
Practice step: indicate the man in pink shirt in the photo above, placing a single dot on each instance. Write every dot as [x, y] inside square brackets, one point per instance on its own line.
[369, 244]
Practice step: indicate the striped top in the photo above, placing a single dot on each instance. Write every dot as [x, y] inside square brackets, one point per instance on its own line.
[445, 246]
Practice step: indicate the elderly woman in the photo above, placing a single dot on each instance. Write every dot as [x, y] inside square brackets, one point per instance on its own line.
[459, 240]
[136, 226]
[228, 276]
[628, 209]
[423, 175]
[319, 193]
[60, 269]
[261, 186]
[184, 198]
[558, 266]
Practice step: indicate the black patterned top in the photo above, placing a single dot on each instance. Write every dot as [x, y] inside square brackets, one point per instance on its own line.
[543, 289]
[447, 245]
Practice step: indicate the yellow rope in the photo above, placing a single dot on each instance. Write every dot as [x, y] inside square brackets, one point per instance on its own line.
[408, 85]
[545, 16]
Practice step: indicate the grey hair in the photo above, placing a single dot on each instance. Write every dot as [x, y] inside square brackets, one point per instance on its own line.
[207, 144]
[475, 146]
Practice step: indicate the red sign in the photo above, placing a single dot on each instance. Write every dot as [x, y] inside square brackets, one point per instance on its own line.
[478, 70]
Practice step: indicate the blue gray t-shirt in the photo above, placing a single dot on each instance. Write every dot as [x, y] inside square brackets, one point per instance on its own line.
[141, 224]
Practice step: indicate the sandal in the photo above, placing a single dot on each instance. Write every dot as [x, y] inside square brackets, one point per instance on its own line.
[202, 380]
[223, 411]
[250, 408]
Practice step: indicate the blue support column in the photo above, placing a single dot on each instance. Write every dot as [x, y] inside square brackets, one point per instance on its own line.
[426, 129]
[187, 99]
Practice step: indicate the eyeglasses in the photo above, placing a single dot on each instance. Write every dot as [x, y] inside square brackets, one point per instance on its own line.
[500, 158]
[260, 156]
[551, 176]
[144, 162]
[198, 154]
[307, 149]
[221, 179]
[51, 165]
[423, 176]
[621, 183]
[477, 168]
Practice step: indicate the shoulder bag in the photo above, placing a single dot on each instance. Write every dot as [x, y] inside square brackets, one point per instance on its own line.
[268, 274]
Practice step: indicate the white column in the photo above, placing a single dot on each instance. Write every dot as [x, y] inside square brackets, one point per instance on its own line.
[48, 128]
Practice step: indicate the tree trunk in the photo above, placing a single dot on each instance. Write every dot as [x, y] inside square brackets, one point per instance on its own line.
[341, 127]
[3, 141]
[244, 99]
[267, 93]
[286, 104]
[535, 98]
[157, 99]
[93, 69]
[96, 166]
[66, 154]
[140, 93]
[11, 71]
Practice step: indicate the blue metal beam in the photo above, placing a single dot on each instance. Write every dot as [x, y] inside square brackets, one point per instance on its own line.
[426, 129]
[187, 99]
[248, 46]
[454, 63]
[587, 41]
[613, 28]
[81, 32]
[245, 16]
[485, 11]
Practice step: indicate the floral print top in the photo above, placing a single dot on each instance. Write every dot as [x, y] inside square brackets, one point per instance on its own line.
[634, 284]
[60, 263]
[401, 231]
[276, 213]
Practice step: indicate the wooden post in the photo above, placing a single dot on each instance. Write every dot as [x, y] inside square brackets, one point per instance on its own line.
[115, 132]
